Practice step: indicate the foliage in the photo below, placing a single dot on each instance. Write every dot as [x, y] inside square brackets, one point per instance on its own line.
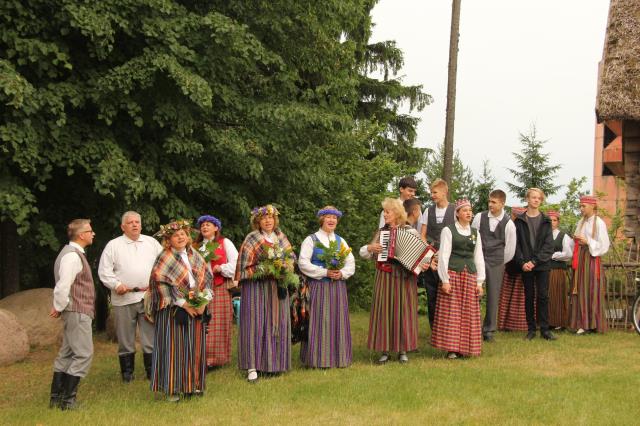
[483, 186]
[569, 207]
[277, 263]
[175, 109]
[463, 184]
[533, 168]
[334, 257]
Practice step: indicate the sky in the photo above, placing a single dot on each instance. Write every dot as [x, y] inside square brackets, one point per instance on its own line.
[520, 63]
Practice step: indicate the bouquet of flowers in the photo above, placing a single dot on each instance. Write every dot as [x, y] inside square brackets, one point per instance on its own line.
[208, 250]
[276, 262]
[333, 256]
[196, 298]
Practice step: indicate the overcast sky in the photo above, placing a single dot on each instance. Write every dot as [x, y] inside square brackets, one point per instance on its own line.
[519, 63]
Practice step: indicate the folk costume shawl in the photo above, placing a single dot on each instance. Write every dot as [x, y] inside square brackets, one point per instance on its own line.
[248, 259]
[170, 277]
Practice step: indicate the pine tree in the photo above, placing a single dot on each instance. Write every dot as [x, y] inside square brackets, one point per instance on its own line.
[534, 170]
[462, 183]
[484, 185]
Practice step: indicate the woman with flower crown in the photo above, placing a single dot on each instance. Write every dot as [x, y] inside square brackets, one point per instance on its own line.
[179, 289]
[222, 256]
[326, 259]
[457, 327]
[264, 340]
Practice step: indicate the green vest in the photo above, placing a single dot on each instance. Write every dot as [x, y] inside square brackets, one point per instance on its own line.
[462, 248]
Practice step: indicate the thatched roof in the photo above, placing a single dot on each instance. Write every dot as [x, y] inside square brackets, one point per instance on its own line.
[619, 85]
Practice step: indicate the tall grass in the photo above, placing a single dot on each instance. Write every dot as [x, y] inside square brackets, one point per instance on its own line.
[592, 379]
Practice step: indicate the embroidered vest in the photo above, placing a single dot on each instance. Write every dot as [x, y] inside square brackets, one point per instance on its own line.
[462, 248]
[82, 294]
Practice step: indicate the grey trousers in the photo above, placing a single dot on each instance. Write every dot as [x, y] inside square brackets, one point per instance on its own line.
[74, 357]
[127, 319]
[493, 279]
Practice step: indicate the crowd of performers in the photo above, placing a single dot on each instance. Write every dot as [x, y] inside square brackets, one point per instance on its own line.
[176, 293]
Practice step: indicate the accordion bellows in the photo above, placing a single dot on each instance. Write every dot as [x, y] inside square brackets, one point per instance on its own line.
[405, 247]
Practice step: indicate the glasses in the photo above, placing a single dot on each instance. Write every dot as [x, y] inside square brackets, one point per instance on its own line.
[89, 230]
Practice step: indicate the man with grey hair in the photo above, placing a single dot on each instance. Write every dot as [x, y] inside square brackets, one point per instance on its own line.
[125, 266]
[74, 301]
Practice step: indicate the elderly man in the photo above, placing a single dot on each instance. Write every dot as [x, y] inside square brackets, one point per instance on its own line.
[74, 301]
[125, 266]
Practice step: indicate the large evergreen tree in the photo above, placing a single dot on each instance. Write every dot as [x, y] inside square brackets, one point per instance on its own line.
[462, 183]
[179, 108]
[534, 169]
[484, 185]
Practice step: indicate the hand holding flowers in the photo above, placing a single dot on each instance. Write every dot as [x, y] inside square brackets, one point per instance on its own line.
[277, 263]
[334, 258]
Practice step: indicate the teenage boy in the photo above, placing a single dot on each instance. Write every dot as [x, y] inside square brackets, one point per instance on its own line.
[498, 235]
[407, 187]
[434, 218]
[534, 249]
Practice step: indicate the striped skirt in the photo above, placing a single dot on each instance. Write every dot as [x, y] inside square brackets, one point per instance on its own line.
[511, 313]
[587, 299]
[458, 324]
[264, 338]
[558, 298]
[393, 324]
[178, 359]
[220, 327]
[329, 340]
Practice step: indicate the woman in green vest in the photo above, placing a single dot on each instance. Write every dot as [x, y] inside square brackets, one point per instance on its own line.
[558, 282]
[457, 326]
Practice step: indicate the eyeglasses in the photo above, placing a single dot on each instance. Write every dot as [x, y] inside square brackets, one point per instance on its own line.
[89, 230]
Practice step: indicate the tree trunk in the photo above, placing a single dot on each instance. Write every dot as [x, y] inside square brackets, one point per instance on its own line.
[9, 259]
[447, 170]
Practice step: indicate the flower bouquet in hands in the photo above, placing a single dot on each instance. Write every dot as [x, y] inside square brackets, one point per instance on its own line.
[208, 250]
[277, 263]
[197, 298]
[334, 257]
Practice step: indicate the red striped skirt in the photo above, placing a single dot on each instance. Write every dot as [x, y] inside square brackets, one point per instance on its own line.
[393, 324]
[587, 302]
[220, 327]
[458, 325]
[558, 298]
[511, 313]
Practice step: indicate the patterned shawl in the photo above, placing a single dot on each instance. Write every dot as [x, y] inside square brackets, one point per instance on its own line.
[248, 259]
[169, 277]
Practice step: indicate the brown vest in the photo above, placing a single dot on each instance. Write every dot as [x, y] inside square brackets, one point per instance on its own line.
[82, 294]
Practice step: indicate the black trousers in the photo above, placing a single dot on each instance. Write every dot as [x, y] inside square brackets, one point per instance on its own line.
[536, 289]
[430, 281]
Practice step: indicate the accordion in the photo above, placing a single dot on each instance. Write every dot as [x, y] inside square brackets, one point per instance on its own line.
[406, 248]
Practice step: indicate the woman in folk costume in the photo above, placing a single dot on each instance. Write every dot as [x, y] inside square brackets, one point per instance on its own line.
[264, 340]
[589, 284]
[558, 282]
[180, 274]
[511, 313]
[457, 327]
[393, 324]
[326, 259]
[222, 256]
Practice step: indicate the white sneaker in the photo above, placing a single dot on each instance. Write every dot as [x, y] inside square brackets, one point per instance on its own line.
[384, 358]
[403, 358]
[580, 331]
[452, 355]
[252, 377]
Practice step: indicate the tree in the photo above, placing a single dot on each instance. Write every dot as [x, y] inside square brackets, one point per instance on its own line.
[454, 37]
[175, 109]
[483, 186]
[534, 170]
[462, 184]
[569, 207]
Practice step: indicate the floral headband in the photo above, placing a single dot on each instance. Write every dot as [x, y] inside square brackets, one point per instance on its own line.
[323, 212]
[170, 228]
[264, 211]
[207, 218]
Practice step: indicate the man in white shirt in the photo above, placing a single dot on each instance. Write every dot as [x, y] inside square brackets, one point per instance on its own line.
[74, 301]
[498, 235]
[125, 266]
[407, 188]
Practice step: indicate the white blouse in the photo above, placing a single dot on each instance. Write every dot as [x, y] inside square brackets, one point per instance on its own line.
[445, 253]
[598, 244]
[567, 248]
[318, 272]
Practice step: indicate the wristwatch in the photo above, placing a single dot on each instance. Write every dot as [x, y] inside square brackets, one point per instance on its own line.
[135, 289]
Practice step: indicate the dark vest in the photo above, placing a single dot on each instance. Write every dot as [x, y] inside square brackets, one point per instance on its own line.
[557, 246]
[434, 228]
[82, 294]
[462, 248]
[492, 242]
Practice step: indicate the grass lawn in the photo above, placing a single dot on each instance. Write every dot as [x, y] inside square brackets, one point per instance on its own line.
[592, 379]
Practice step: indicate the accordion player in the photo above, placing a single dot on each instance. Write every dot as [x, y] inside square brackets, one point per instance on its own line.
[406, 247]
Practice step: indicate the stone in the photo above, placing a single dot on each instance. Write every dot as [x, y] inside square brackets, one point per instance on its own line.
[14, 338]
[32, 308]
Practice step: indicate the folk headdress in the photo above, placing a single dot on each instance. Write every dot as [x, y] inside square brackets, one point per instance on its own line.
[169, 229]
[517, 210]
[208, 218]
[588, 199]
[326, 211]
[268, 210]
[463, 202]
[553, 213]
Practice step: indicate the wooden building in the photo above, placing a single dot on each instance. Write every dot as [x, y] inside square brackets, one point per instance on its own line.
[617, 142]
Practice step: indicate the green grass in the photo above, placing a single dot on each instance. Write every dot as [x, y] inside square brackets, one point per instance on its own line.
[592, 379]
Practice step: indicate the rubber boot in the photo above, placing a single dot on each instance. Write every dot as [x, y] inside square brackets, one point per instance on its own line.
[70, 391]
[147, 364]
[56, 389]
[126, 367]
